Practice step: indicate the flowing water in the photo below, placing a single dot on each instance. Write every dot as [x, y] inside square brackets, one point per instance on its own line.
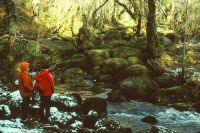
[129, 114]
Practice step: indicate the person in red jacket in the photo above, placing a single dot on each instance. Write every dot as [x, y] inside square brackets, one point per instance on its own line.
[45, 86]
[25, 88]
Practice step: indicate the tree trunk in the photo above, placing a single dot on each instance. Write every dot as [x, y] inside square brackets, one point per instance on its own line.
[151, 28]
[8, 59]
[185, 40]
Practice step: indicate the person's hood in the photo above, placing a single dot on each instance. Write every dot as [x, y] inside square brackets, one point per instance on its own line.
[24, 66]
[42, 74]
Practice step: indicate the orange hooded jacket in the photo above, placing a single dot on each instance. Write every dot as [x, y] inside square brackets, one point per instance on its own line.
[25, 82]
[44, 83]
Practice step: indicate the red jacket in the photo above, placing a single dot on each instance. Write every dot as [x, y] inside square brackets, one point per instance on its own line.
[25, 84]
[44, 83]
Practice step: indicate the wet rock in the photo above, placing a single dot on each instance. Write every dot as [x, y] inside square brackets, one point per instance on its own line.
[66, 102]
[94, 103]
[160, 129]
[4, 112]
[149, 119]
[115, 96]
[135, 87]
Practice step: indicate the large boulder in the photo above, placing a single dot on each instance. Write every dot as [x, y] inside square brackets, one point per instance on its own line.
[72, 75]
[67, 102]
[167, 80]
[136, 69]
[135, 87]
[114, 65]
[97, 56]
[115, 96]
[60, 117]
[124, 52]
[60, 47]
[180, 92]
[87, 45]
[149, 119]
[132, 60]
[94, 103]
[78, 60]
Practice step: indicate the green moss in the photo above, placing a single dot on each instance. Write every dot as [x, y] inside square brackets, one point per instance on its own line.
[133, 60]
[114, 65]
[124, 52]
[97, 56]
[136, 69]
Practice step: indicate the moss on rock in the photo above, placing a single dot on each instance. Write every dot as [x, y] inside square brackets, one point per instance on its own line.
[136, 69]
[114, 65]
[97, 56]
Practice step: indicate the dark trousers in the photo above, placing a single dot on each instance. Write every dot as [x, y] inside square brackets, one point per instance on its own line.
[45, 107]
[25, 107]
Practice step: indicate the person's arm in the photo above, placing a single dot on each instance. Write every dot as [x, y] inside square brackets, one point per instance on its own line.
[27, 84]
[51, 81]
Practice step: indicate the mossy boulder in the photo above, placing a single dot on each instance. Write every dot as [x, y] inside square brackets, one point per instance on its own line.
[88, 45]
[117, 43]
[175, 92]
[114, 65]
[60, 47]
[104, 77]
[132, 60]
[166, 80]
[97, 56]
[96, 70]
[72, 75]
[112, 35]
[136, 69]
[124, 52]
[78, 60]
[135, 87]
